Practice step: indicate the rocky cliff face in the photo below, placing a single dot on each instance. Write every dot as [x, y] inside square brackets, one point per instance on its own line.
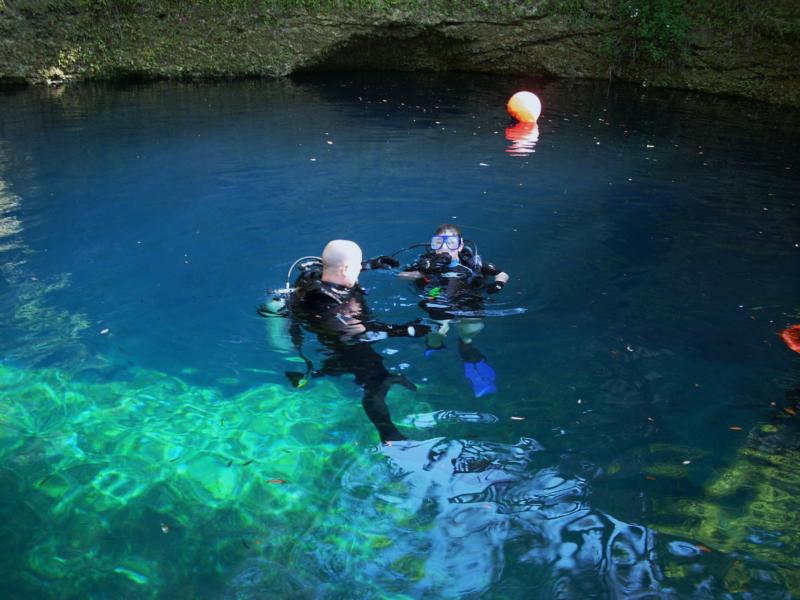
[62, 40]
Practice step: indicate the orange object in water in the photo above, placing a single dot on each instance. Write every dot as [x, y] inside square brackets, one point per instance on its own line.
[525, 107]
[791, 335]
[523, 138]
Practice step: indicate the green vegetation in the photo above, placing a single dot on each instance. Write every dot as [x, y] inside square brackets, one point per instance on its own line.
[709, 45]
[650, 32]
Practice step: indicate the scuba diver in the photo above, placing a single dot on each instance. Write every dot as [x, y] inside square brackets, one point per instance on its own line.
[328, 302]
[451, 278]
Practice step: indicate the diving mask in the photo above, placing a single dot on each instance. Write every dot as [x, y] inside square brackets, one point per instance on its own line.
[451, 242]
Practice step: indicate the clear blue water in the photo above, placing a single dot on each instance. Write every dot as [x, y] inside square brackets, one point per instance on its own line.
[652, 236]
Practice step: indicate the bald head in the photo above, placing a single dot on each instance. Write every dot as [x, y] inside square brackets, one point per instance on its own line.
[341, 262]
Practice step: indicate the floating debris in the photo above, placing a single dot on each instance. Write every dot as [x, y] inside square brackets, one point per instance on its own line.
[164, 528]
[276, 481]
[248, 462]
[735, 428]
[514, 418]
[104, 331]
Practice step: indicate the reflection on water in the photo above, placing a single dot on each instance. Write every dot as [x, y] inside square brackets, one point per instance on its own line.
[523, 138]
[36, 328]
[458, 518]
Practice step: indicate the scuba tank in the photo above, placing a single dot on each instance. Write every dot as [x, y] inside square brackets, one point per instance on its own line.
[278, 300]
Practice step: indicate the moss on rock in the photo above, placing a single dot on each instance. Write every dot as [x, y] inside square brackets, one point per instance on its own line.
[706, 46]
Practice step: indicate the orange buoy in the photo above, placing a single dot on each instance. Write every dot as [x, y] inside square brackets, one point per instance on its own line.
[791, 335]
[524, 107]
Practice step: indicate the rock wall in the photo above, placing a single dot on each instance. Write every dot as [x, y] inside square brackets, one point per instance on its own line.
[62, 40]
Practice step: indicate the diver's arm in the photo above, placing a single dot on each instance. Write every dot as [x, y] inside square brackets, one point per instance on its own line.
[500, 278]
[376, 329]
[380, 262]
[426, 264]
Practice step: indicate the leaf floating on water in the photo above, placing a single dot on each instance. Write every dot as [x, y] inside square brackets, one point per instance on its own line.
[790, 411]
[650, 477]
[276, 481]
[702, 548]
[735, 428]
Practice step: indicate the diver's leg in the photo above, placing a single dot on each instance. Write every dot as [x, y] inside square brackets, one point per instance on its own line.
[479, 373]
[468, 328]
[374, 403]
[370, 373]
[435, 339]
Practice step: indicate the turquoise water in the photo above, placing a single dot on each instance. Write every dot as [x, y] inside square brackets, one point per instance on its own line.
[643, 440]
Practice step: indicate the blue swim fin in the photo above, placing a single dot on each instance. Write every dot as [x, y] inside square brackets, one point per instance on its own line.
[482, 377]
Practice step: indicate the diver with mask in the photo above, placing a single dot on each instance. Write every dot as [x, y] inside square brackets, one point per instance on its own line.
[451, 278]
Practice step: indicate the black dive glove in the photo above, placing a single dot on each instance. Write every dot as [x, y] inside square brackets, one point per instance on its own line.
[495, 287]
[432, 263]
[380, 262]
[411, 329]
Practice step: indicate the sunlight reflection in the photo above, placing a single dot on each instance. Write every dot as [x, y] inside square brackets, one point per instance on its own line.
[523, 138]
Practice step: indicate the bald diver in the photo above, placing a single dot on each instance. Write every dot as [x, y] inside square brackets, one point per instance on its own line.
[328, 302]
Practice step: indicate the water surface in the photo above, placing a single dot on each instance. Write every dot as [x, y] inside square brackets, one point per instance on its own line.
[643, 439]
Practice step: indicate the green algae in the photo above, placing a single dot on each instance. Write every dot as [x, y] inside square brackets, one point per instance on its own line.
[150, 487]
[116, 473]
[748, 509]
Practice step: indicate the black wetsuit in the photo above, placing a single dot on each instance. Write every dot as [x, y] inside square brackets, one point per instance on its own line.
[450, 290]
[447, 289]
[340, 319]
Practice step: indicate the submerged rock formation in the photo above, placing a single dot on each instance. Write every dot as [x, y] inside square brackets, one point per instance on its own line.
[50, 41]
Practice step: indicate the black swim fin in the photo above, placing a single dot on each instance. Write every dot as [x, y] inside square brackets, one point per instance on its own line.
[297, 380]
